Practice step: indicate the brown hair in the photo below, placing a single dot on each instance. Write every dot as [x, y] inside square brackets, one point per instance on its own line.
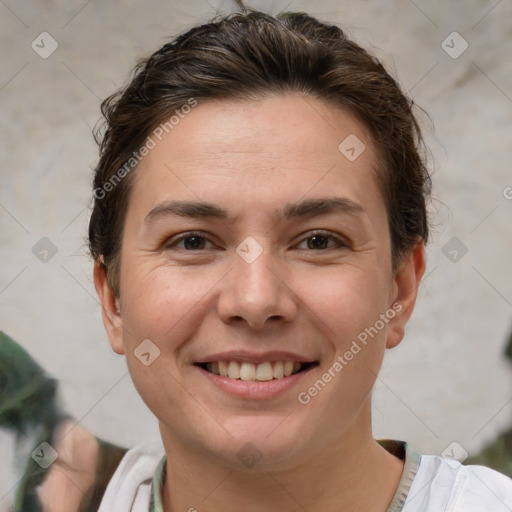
[247, 55]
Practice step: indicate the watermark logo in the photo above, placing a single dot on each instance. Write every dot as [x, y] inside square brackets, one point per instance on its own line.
[44, 250]
[151, 142]
[45, 455]
[249, 250]
[304, 397]
[454, 249]
[44, 45]
[454, 45]
[147, 352]
[454, 454]
[351, 147]
[249, 455]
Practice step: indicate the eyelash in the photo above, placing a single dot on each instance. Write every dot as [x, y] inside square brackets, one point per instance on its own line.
[171, 243]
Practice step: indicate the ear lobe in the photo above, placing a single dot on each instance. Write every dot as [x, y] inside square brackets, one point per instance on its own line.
[109, 308]
[405, 287]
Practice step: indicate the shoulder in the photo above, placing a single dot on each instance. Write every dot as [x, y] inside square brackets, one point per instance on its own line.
[444, 484]
[129, 490]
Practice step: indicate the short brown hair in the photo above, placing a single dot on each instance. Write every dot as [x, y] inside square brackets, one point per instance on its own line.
[247, 55]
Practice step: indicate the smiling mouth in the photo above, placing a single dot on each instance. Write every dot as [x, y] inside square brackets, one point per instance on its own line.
[256, 372]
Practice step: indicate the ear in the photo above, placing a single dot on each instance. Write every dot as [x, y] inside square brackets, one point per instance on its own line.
[405, 290]
[109, 308]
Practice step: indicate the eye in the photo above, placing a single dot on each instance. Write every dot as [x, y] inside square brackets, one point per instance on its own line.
[193, 241]
[319, 240]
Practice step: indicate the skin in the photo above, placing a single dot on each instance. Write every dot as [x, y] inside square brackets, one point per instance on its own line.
[73, 472]
[252, 158]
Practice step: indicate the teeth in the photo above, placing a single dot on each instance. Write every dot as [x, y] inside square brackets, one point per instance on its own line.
[248, 371]
[223, 369]
[264, 372]
[278, 370]
[234, 370]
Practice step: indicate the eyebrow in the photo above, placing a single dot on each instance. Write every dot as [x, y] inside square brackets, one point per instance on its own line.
[302, 209]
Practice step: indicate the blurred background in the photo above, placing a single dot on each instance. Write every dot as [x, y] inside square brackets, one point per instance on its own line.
[448, 382]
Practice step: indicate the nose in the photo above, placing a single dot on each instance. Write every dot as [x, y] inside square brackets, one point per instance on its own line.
[258, 292]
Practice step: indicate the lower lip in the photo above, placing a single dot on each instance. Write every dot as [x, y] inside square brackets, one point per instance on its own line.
[254, 389]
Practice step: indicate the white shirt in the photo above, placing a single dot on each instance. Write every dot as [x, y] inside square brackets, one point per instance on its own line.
[429, 483]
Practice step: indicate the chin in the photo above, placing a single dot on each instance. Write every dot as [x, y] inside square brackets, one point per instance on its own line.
[262, 443]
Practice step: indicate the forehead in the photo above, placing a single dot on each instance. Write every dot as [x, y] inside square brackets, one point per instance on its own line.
[259, 150]
[292, 126]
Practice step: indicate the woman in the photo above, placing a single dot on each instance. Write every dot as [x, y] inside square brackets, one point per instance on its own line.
[258, 233]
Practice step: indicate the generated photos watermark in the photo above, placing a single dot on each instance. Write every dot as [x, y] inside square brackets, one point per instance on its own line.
[150, 143]
[304, 397]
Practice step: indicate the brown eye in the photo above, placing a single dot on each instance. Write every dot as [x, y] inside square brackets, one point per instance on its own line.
[320, 241]
[192, 242]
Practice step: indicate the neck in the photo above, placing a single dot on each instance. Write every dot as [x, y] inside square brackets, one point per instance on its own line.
[353, 470]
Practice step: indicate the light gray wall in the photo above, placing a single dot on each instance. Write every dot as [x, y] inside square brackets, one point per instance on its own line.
[447, 381]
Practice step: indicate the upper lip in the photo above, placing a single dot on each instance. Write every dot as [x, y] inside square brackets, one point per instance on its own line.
[244, 356]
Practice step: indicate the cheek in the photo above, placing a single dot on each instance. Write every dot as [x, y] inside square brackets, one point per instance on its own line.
[347, 300]
[350, 307]
[160, 307]
[167, 306]
[159, 302]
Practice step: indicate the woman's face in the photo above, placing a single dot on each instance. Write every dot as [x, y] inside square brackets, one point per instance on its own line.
[254, 242]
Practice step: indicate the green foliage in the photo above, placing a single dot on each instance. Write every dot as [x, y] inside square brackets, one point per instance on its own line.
[27, 404]
[497, 456]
